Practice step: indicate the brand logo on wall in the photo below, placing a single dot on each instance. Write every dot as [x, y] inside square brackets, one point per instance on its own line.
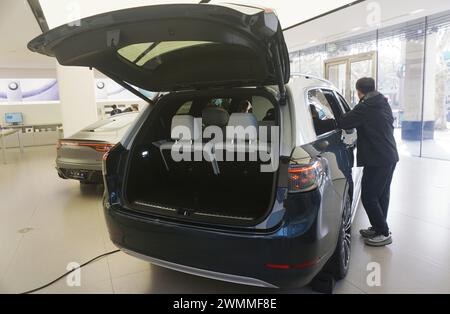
[14, 92]
[17, 90]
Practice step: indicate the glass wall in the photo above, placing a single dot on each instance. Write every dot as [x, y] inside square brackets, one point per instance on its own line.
[436, 117]
[310, 61]
[401, 62]
[412, 69]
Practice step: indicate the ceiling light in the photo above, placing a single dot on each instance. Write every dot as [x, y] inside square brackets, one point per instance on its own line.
[355, 29]
[416, 11]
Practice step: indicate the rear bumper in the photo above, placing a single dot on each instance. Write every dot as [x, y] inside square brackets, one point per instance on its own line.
[202, 272]
[238, 257]
[79, 171]
[89, 166]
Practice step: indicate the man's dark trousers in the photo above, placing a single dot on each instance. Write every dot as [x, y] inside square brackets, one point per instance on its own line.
[376, 185]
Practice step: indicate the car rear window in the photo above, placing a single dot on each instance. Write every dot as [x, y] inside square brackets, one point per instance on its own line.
[140, 54]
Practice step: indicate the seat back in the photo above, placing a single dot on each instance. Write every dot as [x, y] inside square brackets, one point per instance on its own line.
[186, 134]
[242, 127]
[185, 130]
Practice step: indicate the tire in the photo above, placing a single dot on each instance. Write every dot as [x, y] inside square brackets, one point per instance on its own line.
[340, 261]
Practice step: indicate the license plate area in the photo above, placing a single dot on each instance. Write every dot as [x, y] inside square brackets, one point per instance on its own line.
[77, 174]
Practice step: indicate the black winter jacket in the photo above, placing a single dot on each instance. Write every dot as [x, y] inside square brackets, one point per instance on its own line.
[373, 119]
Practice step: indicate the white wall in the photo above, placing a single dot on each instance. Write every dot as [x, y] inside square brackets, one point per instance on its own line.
[33, 113]
[36, 113]
[27, 73]
[77, 96]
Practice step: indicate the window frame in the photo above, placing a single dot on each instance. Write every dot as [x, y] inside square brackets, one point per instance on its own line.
[344, 104]
[306, 95]
[341, 108]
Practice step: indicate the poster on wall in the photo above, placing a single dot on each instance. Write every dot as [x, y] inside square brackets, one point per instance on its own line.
[24, 90]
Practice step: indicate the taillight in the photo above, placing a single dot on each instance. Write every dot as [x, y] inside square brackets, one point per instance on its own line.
[105, 157]
[100, 147]
[305, 177]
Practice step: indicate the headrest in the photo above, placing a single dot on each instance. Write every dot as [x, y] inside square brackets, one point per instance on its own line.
[247, 122]
[186, 128]
[270, 115]
[215, 116]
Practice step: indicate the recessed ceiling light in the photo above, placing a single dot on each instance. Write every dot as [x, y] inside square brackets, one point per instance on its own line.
[416, 11]
[313, 41]
[355, 29]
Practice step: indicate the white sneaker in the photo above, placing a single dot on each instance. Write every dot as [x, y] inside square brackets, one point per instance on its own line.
[379, 240]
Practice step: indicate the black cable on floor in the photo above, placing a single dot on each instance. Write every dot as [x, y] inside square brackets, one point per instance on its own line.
[69, 272]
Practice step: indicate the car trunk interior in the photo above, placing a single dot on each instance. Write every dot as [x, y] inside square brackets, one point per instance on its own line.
[234, 192]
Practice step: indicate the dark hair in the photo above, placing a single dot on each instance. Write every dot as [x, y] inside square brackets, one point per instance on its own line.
[365, 85]
[114, 106]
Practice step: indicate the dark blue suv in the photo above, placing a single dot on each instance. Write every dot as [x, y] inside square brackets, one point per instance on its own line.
[275, 221]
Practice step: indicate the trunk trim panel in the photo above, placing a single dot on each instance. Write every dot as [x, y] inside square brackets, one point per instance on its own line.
[192, 211]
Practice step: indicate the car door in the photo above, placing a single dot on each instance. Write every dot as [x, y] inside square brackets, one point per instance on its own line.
[329, 147]
[175, 47]
[344, 151]
[350, 137]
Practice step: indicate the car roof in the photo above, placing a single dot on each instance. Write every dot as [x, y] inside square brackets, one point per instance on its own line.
[109, 129]
[306, 80]
[122, 115]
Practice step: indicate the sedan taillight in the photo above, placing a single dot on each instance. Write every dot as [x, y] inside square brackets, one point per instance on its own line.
[100, 147]
[305, 177]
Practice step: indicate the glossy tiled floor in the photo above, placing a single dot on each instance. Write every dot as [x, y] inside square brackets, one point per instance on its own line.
[46, 223]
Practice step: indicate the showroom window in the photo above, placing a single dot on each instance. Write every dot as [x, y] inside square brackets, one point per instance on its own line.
[411, 64]
[312, 61]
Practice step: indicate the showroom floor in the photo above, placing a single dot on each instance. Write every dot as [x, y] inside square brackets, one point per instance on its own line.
[47, 222]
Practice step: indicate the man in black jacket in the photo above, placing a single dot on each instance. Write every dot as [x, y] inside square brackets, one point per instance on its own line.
[377, 153]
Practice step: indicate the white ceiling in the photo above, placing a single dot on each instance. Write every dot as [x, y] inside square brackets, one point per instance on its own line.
[58, 12]
[18, 24]
[358, 19]
[17, 27]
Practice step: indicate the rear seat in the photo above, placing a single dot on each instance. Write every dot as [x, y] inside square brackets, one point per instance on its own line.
[215, 116]
[189, 143]
[247, 142]
[192, 132]
[268, 126]
[243, 147]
